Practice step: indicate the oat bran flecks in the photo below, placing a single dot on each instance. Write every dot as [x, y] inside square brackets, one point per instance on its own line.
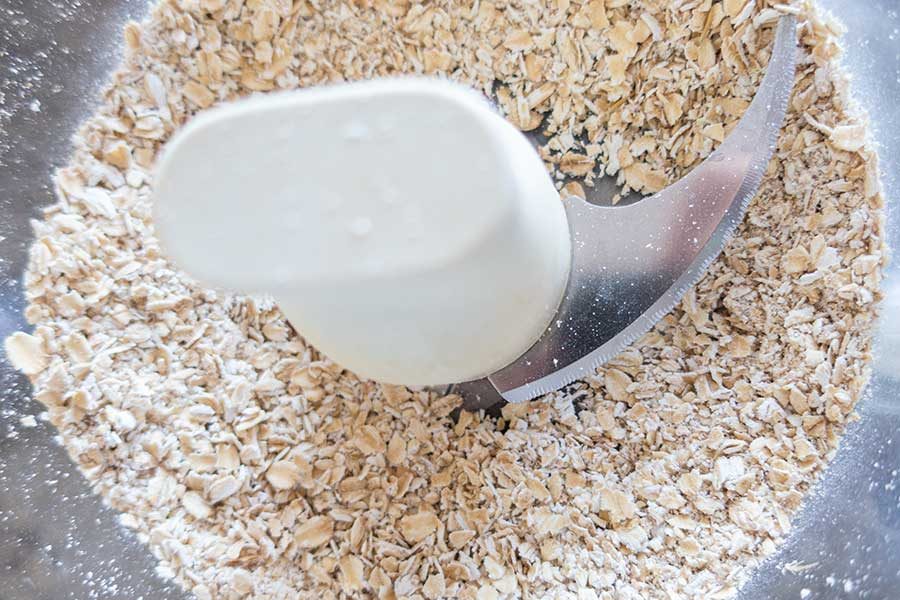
[255, 468]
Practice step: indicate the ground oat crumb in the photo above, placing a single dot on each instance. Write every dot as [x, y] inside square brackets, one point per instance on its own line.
[253, 467]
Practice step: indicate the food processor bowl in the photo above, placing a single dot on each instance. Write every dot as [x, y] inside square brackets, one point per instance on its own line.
[58, 541]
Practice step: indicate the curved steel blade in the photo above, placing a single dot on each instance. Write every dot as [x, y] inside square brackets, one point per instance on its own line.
[632, 264]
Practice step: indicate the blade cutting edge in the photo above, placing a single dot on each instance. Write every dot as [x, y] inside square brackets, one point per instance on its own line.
[619, 288]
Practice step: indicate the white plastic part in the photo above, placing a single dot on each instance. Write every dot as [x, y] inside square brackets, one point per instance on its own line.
[403, 227]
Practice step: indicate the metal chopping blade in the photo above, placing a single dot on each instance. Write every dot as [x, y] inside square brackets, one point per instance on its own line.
[632, 264]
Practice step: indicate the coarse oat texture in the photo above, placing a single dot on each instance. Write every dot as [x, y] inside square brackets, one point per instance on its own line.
[253, 467]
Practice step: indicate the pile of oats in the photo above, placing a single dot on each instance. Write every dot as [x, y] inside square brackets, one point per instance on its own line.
[254, 467]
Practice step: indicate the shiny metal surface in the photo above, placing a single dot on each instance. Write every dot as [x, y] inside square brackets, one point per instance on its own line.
[632, 264]
[58, 542]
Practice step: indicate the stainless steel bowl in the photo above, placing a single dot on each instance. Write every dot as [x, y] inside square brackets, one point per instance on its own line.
[58, 541]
